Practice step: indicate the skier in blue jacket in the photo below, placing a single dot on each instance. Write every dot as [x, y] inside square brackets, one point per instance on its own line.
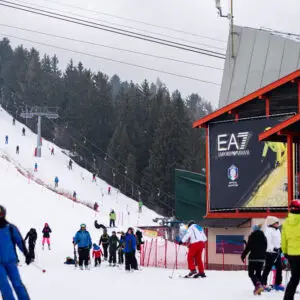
[9, 238]
[84, 242]
[129, 250]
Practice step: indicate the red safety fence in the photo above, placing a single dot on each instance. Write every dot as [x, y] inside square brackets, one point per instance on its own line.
[161, 253]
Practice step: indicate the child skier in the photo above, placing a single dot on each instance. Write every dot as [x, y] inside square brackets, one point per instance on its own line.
[9, 238]
[35, 167]
[32, 237]
[23, 131]
[74, 196]
[17, 149]
[109, 190]
[113, 246]
[52, 151]
[96, 206]
[6, 139]
[104, 241]
[121, 249]
[96, 254]
[46, 235]
[70, 164]
[256, 246]
[94, 177]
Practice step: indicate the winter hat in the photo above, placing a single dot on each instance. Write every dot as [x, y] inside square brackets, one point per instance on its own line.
[295, 206]
[256, 227]
[191, 223]
[2, 212]
[271, 220]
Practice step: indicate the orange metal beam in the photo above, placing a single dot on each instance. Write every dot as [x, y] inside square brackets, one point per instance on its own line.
[290, 168]
[246, 99]
[246, 215]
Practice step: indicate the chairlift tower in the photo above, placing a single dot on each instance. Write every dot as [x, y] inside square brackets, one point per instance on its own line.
[37, 111]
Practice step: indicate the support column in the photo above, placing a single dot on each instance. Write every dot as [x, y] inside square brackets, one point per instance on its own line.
[290, 169]
[39, 136]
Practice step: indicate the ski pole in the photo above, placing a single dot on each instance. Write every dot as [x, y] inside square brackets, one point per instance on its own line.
[38, 267]
[171, 277]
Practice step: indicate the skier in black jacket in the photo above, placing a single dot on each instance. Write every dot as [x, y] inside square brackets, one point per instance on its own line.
[257, 246]
[104, 240]
[113, 246]
[32, 237]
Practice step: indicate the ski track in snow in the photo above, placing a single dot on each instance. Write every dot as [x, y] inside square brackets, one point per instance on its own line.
[31, 205]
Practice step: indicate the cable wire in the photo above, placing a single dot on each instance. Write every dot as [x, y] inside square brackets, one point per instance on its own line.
[112, 60]
[136, 21]
[111, 47]
[112, 29]
[125, 26]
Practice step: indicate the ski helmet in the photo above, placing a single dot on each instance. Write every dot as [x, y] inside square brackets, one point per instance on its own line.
[2, 212]
[295, 206]
[83, 226]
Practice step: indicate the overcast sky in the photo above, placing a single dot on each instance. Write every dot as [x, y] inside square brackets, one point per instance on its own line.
[195, 16]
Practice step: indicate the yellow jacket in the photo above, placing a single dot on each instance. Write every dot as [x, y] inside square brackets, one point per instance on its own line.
[290, 235]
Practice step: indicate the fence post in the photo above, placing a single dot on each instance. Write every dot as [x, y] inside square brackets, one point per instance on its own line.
[145, 251]
[141, 255]
[149, 253]
[155, 263]
[166, 245]
[176, 255]
[223, 258]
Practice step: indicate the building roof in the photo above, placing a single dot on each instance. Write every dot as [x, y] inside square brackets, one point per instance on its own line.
[261, 56]
[279, 132]
[284, 89]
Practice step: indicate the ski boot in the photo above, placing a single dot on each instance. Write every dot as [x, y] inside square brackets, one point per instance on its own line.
[49, 247]
[267, 288]
[202, 275]
[114, 265]
[191, 274]
[279, 287]
[81, 268]
[258, 289]
[110, 264]
[43, 247]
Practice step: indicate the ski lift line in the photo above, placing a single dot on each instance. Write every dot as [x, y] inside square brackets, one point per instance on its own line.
[124, 26]
[112, 60]
[112, 29]
[151, 187]
[114, 48]
[137, 21]
[128, 178]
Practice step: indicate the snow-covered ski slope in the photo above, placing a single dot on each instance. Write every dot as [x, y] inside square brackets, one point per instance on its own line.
[31, 205]
[78, 179]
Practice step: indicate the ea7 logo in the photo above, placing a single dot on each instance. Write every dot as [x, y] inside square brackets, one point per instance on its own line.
[233, 141]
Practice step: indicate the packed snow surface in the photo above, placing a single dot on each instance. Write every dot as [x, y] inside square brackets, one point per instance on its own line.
[31, 205]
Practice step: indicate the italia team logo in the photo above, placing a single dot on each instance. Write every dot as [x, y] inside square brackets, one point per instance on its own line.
[233, 173]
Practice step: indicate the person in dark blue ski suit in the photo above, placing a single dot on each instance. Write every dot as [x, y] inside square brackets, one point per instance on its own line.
[9, 238]
[84, 242]
[129, 250]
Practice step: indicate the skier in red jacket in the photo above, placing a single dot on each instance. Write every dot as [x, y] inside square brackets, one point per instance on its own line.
[97, 253]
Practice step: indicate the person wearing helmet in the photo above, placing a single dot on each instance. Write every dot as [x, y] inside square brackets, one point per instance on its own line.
[290, 243]
[273, 255]
[104, 241]
[9, 238]
[46, 235]
[84, 242]
[195, 238]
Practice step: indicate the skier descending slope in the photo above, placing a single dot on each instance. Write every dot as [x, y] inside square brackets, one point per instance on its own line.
[196, 239]
[256, 246]
[84, 242]
[46, 235]
[9, 237]
[291, 247]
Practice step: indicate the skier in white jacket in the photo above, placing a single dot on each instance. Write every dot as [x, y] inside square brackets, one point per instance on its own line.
[273, 255]
[195, 238]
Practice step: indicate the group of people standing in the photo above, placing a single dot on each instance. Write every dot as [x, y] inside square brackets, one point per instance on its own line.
[267, 246]
[126, 246]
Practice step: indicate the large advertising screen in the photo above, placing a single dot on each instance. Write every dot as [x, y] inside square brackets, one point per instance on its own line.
[244, 172]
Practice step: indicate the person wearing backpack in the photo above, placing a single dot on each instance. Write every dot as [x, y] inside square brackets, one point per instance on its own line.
[9, 238]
